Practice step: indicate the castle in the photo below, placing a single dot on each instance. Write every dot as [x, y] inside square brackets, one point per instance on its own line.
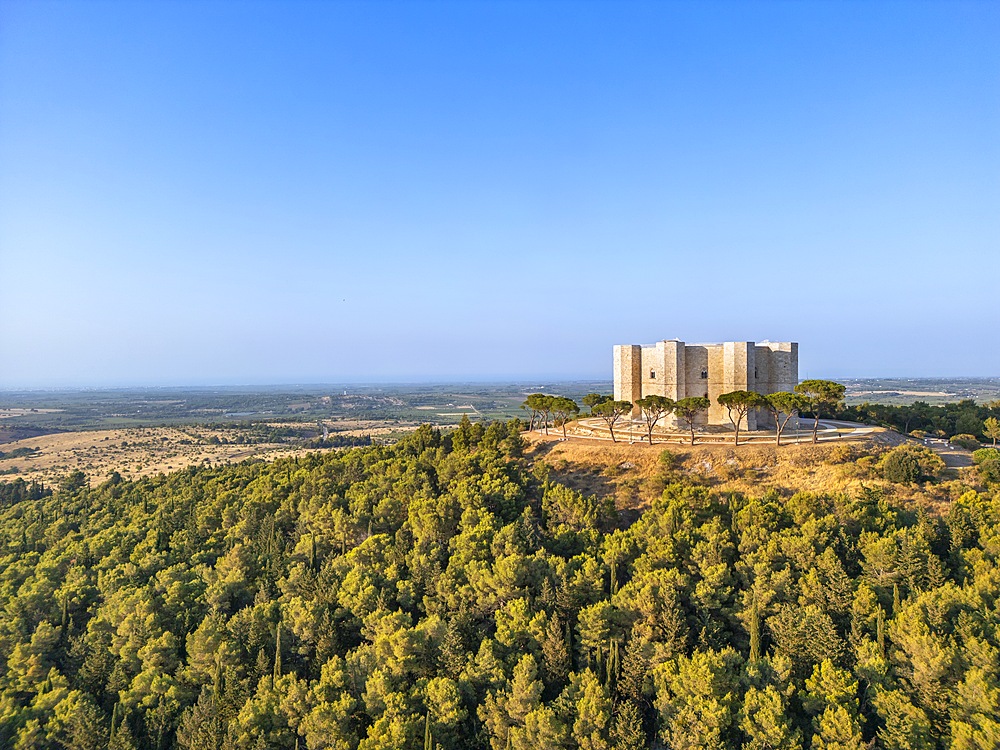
[678, 370]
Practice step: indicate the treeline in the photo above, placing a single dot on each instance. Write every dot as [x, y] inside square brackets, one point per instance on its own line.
[253, 433]
[444, 592]
[944, 420]
[809, 396]
[337, 440]
[19, 490]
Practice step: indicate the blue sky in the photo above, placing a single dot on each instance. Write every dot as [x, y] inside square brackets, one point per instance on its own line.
[265, 192]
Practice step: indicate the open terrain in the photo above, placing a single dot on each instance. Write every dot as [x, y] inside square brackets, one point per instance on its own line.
[635, 474]
[46, 434]
[143, 451]
[897, 391]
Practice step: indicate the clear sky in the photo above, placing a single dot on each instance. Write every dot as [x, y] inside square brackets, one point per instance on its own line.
[288, 192]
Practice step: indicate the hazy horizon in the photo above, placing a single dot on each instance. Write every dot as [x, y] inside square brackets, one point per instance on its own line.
[408, 383]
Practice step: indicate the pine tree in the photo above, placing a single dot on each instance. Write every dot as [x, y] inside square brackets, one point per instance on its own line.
[765, 722]
[453, 650]
[626, 727]
[122, 739]
[632, 681]
[525, 689]
[555, 653]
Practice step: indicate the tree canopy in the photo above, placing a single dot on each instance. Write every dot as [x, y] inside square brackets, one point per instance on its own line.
[738, 404]
[821, 395]
[688, 410]
[612, 412]
[445, 592]
[653, 409]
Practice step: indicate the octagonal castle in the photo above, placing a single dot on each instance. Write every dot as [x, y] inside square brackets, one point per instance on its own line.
[678, 370]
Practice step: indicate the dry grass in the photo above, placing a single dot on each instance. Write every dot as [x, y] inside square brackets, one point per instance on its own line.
[635, 474]
[135, 452]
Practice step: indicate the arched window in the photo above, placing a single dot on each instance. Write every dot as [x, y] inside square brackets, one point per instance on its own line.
[704, 374]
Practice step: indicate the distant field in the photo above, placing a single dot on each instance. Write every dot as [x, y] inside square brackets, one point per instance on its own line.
[44, 435]
[899, 391]
[142, 451]
[149, 407]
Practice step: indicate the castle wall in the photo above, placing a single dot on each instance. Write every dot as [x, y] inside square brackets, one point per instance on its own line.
[677, 370]
[716, 384]
[739, 374]
[628, 369]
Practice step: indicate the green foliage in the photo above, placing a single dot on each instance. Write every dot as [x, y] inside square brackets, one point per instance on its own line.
[985, 454]
[911, 463]
[688, 410]
[989, 471]
[738, 404]
[593, 399]
[900, 466]
[442, 592]
[965, 440]
[945, 419]
[612, 413]
[991, 429]
[654, 408]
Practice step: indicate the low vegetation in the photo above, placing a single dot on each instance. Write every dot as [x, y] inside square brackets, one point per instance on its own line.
[968, 419]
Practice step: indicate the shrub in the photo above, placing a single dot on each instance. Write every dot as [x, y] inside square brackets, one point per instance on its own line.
[986, 454]
[901, 467]
[989, 471]
[840, 454]
[911, 463]
[964, 440]
[668, 460]
[918, 434]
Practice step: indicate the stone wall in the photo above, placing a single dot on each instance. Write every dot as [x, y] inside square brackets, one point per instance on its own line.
[678, 370]
[628, 378]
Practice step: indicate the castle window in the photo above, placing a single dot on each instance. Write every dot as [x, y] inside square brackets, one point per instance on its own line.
[755, 373]
[652, 374]
[704, 374]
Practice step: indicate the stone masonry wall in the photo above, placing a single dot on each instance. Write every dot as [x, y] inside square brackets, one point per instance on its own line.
[678, 370]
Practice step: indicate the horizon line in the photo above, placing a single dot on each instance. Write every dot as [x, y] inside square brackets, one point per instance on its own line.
[404, 382]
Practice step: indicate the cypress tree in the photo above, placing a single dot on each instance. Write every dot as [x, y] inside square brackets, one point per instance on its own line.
[754, 633]
[277, 654]
[626, 729]
[632, 681]
[555, 653]
[880, 631]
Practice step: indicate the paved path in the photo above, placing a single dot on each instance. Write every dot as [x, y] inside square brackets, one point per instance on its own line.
[954, 458]
[596, 428]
